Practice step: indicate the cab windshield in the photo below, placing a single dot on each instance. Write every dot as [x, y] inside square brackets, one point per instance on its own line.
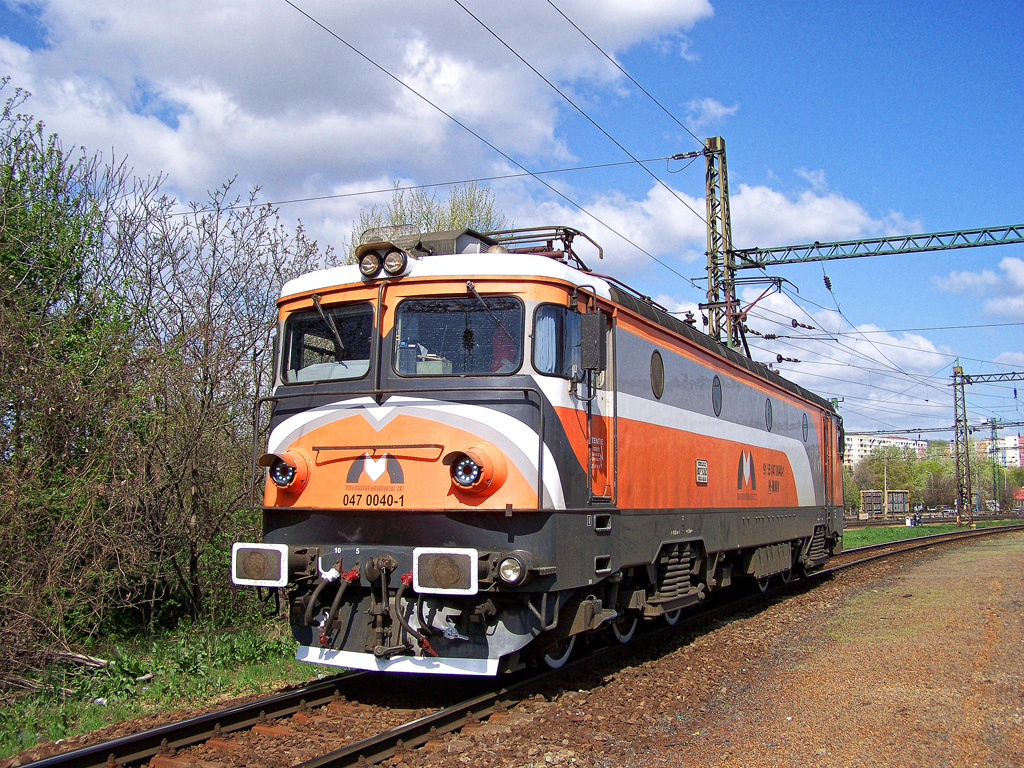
[332, 346]
[473, 335]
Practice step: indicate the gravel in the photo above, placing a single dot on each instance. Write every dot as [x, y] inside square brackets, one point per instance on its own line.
[917, 661]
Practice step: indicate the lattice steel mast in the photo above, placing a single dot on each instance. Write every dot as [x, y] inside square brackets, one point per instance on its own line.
[721, 305]
[961, 444]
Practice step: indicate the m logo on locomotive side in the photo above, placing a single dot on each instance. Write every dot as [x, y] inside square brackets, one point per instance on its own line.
[745, 477]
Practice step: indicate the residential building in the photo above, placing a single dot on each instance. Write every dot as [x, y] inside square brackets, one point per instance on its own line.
[1006, 451]
[859, 447]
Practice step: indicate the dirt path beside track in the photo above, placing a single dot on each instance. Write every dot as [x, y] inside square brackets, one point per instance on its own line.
[917, 662]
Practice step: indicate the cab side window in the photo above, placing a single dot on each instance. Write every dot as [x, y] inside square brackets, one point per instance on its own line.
[556, 341]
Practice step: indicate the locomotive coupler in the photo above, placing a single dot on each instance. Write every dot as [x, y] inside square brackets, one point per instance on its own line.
[377, 570]
[386, 653]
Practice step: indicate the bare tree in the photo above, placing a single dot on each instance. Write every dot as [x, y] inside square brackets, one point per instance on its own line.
[132, 343]
[468, 206]
[203, 287]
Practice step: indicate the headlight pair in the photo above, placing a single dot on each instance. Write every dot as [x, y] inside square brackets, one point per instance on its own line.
[393, 262]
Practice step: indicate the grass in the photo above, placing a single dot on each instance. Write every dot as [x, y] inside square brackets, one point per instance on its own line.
[862, 537]
[189, 668]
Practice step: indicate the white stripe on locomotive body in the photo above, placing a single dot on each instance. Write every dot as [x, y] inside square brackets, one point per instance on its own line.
[517, 440]
[662, 415]
[498, 265]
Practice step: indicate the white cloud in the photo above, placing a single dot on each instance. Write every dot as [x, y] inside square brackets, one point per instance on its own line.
[1013, 359]
[815, 178]
[703, 113]
[1002, 289]
[967, 282]
[204, 92]
[763, 217]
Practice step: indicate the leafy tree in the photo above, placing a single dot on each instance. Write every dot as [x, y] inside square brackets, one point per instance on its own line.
[64, 371]
[888, 466]
[133, 341]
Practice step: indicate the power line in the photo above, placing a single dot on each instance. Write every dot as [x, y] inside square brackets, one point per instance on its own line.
[923, 380]
[484, 141]
[578, 108]
[410, 187]
[928, 328]
[623, 71]
[848, 349]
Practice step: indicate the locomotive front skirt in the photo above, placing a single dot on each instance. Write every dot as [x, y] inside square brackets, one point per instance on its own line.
[479, 450]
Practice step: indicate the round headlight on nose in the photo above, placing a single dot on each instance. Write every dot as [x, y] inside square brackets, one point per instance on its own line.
[478, 469]
[282, 473]
[466, 472]
[289, 470]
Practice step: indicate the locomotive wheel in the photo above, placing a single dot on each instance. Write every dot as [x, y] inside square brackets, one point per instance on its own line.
[557, 658]
[786, 576]
[624, 627]
[672, 617]
[762, 584]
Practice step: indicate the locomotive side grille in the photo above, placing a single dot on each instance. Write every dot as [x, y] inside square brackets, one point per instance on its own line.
[817, 551]
[675, 568]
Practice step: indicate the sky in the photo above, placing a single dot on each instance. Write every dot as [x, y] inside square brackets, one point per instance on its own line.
[842, 120]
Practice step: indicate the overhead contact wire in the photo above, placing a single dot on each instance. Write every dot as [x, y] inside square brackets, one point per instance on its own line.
[579, 109]
[624, 72]
[484, 141]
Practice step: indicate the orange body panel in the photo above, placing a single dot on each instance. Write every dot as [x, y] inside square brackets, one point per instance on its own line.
[661, 462]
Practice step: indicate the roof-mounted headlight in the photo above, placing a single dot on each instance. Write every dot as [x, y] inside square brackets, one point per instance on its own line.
[370, 264]
[395, 262]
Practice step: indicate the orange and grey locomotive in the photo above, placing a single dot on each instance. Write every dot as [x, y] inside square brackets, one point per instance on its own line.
[480, 450]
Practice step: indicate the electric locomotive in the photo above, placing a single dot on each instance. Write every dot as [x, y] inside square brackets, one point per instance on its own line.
[479, 450]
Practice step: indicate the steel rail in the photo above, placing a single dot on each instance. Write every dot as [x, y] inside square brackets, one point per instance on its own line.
[917, 542]
[144, 745]
[377, 749]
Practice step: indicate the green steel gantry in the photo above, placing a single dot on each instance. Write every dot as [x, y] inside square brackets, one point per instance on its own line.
[725, 317]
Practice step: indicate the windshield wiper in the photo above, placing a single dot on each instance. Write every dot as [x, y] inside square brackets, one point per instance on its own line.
[472, 289]
[329, 322]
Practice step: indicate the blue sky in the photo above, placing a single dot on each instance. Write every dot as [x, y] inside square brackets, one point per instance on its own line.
[842, 120]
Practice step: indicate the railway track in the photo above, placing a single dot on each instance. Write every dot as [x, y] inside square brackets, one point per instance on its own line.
[861, 555]
[485, 699]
